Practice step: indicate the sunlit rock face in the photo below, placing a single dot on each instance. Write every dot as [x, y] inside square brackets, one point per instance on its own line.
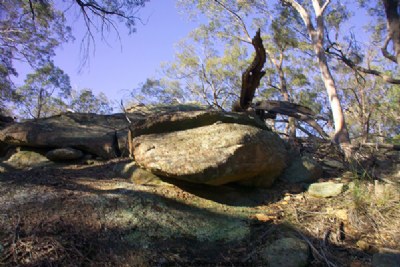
[214, 154]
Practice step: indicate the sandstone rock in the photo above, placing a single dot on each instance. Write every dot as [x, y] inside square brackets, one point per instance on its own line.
[61, 154]
[214, 154]
[302, 170]
[325, 189]
[288, 252]
[94, 134]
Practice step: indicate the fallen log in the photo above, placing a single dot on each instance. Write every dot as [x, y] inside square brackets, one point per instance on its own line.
[273, 107]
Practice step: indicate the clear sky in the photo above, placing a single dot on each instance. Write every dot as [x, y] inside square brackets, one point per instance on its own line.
[118, 66]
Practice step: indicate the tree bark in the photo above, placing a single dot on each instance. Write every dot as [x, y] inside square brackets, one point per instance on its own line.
[253, 74]
[291, 126]
[341, 135]
[393, 26]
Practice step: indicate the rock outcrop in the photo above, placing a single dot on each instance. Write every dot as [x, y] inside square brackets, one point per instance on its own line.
[99, 135]
[200, 146]
[212, 154]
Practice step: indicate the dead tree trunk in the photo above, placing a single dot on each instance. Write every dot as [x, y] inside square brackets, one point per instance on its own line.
[253, 74]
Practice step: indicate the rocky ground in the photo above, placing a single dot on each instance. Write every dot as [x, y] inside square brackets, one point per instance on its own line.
[88, 214]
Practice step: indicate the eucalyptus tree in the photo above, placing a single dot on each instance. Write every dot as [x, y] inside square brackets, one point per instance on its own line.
[159, 91]
[371, 103]
[313, 18]
[31, 30]
[85, 101]
[44, 92]
[234, 20]
[383, 27]
[205, 73]
[23, 38]
[391, 8]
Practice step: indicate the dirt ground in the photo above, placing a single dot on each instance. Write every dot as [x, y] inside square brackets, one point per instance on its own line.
[87, 215]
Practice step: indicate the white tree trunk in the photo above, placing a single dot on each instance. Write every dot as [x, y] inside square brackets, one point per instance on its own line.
[341, 135]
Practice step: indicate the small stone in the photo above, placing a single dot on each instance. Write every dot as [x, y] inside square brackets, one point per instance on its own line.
[61, 154]
[264, 217]
[325, 189]
[288, 252]
[287, 198]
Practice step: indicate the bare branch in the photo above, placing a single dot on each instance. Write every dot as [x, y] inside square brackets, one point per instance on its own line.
[338, 53]
[238, 18]
[385, 53]
[325, 6]
[303, 13]
[32, 9]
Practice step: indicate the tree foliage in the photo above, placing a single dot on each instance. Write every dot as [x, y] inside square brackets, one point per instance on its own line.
[43, 93]
[85, 101]
[31, 30]
[23, 38]
[292, 32]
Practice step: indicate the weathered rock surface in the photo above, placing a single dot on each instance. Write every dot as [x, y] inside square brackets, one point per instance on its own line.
[24, 159]
[91, 133]
[179, 121]
[215, 154]
[302, 170]
[325, 189]
[61, 154]
[288, 252]
[137, 175]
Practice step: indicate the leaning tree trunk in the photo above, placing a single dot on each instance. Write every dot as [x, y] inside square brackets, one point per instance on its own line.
[291, 126]
[341, 135]
[393, 27]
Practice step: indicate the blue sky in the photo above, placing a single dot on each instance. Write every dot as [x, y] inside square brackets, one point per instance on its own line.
[117, 65]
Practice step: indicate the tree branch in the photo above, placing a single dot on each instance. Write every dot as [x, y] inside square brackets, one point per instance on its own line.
[385, 53]
[32, 9]
[238, 18]
[338, 53]
[303, 13]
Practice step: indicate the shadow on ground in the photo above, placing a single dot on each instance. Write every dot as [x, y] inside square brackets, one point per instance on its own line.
[91, 217]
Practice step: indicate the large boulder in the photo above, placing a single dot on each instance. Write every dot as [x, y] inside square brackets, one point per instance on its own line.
[91, 133]
[179, 121]
[222, 148]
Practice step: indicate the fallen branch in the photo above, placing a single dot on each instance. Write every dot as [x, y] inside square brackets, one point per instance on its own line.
[296, 111]
[378, 145]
